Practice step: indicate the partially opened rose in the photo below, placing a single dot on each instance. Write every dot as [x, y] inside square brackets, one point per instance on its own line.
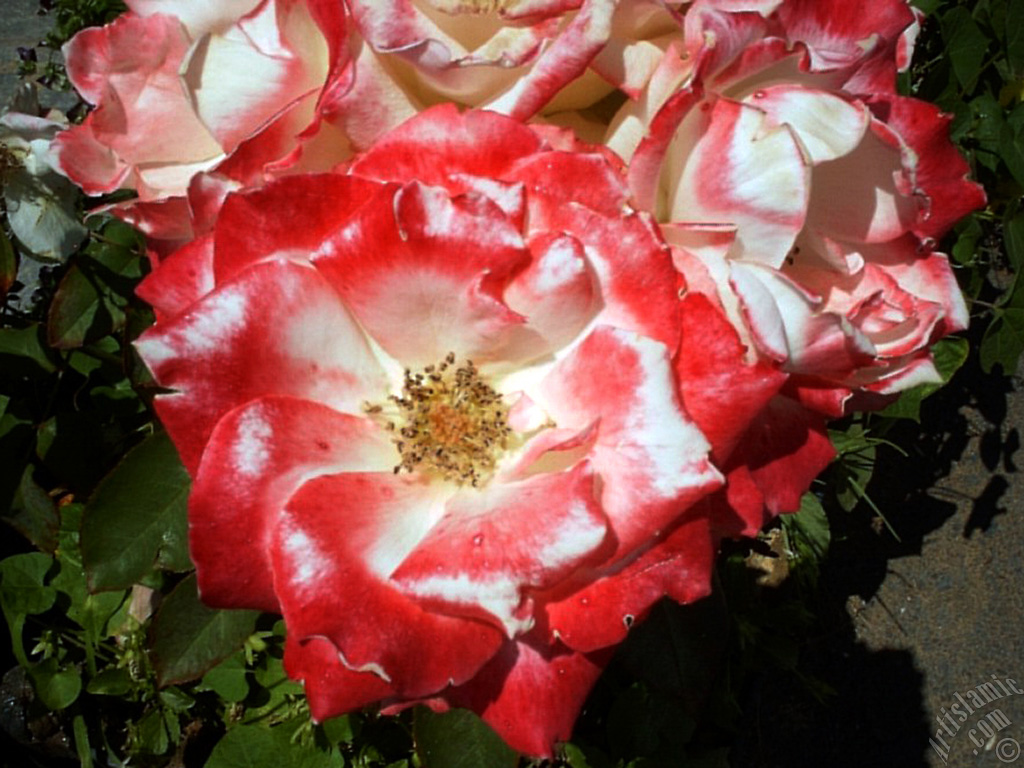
[518, 57]
[182, 88]
[433, 411]
[803, 193]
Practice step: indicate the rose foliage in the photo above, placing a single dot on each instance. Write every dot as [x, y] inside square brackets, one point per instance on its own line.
[482, 324]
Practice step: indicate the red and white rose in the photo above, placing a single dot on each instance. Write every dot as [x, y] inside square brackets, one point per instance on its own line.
[193, 99]
[802, 193]
[434, 414]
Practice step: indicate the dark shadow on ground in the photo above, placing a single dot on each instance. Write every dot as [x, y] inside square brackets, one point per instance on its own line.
[878, 714]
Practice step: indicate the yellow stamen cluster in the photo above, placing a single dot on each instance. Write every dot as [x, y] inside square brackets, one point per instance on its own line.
[451, 423]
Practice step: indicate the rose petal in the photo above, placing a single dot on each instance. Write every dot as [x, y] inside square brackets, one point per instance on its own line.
[742, 170]
[332, 689]
[638, 293]
[721, 391]
[431, 149]
[651, 458]
[589, 178]
[183, 278]
[257, 456]
[827, 125]
[333, 550]
[939, 171]
[424, 274]
[130, 70]
[198, 16]
[277, 328]
[856, 196]
[494, 544]
[564, 60]
[774, 464]
[308, 209]
[241, 78]
[600, 614]
[557, 294]
[819, 341]
[839, 34]
[531, 693]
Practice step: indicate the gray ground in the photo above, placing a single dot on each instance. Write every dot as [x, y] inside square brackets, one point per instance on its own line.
[914, 623]
[19, 26]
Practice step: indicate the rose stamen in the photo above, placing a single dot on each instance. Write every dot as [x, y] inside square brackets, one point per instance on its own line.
[450, 423]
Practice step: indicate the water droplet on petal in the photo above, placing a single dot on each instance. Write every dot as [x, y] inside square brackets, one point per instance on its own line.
[478, 540]
[584, 601]
[759, 94]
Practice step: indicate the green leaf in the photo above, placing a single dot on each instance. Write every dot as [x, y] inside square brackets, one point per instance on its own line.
[22, 588]
[22, 592]
[855, 463]
[809, 524]
[1003, 341]
[1015, 36]
[229, 679]
[1011, 151]
[151, 733]
[253, 746]
[40, 206]
[965, 250]
[647, 723]
[339, 730]
[137, 519]
[33, 512]
[189, 638]
[176, 699]
[927, 6]
[81, 733]
[458, 739]
[574, 756]
[1013, 240]
[272, 689]
[73, 311]
[965, 44]
[56, 687]
[949, 355]
[23, 352]
[112, 681]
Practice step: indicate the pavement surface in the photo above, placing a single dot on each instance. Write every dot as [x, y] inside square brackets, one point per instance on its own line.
[19, 26]
[910, 628]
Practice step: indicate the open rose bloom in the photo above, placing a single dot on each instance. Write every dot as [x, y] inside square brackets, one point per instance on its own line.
[463, 395]
[434, 417]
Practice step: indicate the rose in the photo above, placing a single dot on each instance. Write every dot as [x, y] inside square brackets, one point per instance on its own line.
[810, 206]
[461, 533]
[804, 198]
[181, 88]
[214, 100]
[517, 57]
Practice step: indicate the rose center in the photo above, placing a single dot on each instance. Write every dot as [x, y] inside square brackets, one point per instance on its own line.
[450, 423]
[455, 7]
